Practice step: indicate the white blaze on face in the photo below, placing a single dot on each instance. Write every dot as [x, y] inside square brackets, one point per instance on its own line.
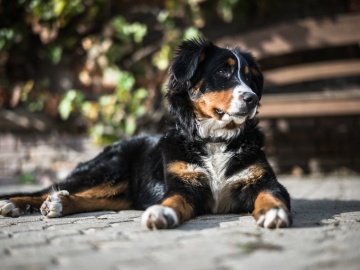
[239, 91]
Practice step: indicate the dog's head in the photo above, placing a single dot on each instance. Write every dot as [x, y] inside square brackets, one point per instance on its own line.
[213, 90]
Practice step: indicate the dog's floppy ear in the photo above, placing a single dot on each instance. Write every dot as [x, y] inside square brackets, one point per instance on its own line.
[189, 54]
[257, 78]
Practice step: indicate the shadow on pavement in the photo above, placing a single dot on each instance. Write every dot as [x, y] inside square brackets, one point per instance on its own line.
[317, 212]
[306, 213]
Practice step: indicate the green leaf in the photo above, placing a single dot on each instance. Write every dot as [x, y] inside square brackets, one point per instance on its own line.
[65, 108]
[59, 6]
[105, 100]
[130, 125]
[161, 58]
[71, 100]
[139, 111]
[139, 31]
[140, 93]
[191, 32]
[126, 81]
[55, 53]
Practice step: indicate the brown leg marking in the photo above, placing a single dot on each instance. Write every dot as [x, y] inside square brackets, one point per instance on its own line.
[23, 203]
[104, 191]
[103, 197]
[183, 209]
[75, 204]
[266, 201]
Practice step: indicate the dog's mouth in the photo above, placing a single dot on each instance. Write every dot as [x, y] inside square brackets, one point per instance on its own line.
[233, 125]
[226, 127]
[240, 114]
[237, 117]
[234, 122]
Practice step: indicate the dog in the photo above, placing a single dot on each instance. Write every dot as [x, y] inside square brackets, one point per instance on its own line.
[210, 162]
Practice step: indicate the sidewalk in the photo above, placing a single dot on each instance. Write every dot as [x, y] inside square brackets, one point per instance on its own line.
[325, 235]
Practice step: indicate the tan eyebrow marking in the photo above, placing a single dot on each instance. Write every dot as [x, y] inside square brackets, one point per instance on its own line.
[231, 62]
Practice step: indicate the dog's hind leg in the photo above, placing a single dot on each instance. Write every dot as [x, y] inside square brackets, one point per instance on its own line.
[18, 204]
[95, 185]
[59, 203]
[107, 182]
[102, 197]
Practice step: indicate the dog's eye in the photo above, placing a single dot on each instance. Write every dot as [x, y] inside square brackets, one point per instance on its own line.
[219, 112]
[247, 74]
[224, 72]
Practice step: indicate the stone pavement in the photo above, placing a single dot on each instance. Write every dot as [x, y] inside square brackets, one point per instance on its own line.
[325, 235]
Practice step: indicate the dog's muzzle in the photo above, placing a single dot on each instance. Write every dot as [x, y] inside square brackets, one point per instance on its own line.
[251, 100]
[244, 103]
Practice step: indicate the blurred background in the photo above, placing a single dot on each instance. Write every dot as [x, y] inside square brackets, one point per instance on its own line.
[75, 75]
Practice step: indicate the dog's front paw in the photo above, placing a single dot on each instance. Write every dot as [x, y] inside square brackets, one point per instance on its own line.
[159, 217]
[52, 206]
[275, 217]
[9, 209]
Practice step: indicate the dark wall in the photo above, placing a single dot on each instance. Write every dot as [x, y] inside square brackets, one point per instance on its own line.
[321, 145]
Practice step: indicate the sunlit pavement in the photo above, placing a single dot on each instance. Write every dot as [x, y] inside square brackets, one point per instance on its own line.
[325, 235]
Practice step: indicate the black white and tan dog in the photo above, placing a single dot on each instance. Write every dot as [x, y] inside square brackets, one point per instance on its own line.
[211, 161]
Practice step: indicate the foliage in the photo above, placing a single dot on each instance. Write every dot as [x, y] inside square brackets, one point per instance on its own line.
[27, 178]
[114, 66]
[112, 114]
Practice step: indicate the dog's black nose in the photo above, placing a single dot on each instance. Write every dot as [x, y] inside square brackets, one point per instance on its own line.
[251, 100]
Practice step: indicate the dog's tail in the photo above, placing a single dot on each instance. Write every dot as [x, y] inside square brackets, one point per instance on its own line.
[26, 194]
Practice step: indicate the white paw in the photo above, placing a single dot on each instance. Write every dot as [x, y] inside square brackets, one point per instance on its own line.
[274, 218]
[9, 209]
[52, 206]
[159, 217]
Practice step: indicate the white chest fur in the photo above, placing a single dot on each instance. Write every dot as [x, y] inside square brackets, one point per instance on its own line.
[216, 164]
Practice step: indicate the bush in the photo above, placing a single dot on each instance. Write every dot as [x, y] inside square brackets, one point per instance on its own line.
[91, 59]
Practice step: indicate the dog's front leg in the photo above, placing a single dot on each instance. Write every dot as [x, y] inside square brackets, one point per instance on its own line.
[271, 212]
[187, 193]
[173, 211]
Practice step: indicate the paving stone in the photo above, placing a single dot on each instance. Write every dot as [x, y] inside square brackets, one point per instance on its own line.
[98, 259]
[26, 240]
[51, 250]
[122, 215]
